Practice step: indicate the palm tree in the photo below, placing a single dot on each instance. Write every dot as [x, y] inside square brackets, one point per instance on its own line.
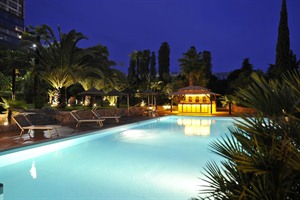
[262, 154]
[193, 67]
[10, 105]
[59, 59]
[228, 100]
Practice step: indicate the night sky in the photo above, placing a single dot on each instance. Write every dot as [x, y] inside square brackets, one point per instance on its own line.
[230, 29]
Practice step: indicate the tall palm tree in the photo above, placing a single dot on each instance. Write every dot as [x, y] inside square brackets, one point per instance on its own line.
[59, 59]
[193, 67]
[262, 154]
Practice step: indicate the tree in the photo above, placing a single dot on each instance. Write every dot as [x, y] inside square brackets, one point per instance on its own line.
[164, 62]
[58, 59]
[283, 45]
[139, 69]
[152, 66]
[240, 78]
[97, 72]
[13, 60]
[206, 57]
[132, 76]
[10, 105]
[144, 65]
[193, 67]
[227, 101]
[262, 152]
[294, 63]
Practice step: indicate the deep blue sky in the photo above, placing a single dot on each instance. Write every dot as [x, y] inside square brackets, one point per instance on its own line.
[230, 29]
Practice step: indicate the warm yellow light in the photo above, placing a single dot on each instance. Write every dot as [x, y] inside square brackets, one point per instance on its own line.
[166, 107]
[197, 130]
[200, 127]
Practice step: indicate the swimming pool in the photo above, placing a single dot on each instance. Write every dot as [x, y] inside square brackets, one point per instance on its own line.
[146, 160]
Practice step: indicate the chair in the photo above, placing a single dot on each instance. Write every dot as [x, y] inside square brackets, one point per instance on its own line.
[24, 124]
[116, 117]
[80, 120]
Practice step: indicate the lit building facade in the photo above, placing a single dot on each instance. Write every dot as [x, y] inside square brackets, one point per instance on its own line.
[195, 99]
[11, 21]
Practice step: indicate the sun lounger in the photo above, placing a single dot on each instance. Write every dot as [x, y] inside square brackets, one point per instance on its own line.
[24, 124]
[115, 117]
[80, 120]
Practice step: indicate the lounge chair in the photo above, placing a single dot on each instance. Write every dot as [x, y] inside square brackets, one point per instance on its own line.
[97, 115]
[80, 120]
[24, 124]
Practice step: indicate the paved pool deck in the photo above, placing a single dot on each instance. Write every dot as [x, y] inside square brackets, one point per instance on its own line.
[11, 139]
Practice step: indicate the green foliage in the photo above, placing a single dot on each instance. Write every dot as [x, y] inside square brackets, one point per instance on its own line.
[139, 74]
[13, 104]
[152, 67]
[164, 62]
[5, 82]
[283, 40]
[261, 156]
[39, 101]
[194, 68]
[227, 101]
[282, 47]
[61, 63]
[240, 78]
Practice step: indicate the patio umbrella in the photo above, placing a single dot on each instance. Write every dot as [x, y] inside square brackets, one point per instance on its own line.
[114, 92]
[128, 91]
[149, 93]
[92, 92]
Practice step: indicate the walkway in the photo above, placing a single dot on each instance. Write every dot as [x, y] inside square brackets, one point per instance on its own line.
[10, 140]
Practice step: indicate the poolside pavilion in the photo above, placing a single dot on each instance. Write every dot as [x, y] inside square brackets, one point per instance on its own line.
[195, 99]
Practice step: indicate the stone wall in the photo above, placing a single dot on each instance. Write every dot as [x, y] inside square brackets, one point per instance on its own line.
[238, 109]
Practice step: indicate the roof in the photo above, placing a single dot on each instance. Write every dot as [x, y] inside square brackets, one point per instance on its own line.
[92, 91]
[193, 90]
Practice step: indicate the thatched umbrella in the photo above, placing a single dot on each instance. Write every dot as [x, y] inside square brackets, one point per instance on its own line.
[152, 94]
[114, 92]
[92, 92]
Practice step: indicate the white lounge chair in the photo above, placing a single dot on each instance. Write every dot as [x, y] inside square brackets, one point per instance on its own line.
[80, 120]
[24, 124]
[116, 117]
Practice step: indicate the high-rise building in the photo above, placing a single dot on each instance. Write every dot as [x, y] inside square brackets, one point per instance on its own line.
[11, 21]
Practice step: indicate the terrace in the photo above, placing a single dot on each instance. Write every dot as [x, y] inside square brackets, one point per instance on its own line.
[10, 138]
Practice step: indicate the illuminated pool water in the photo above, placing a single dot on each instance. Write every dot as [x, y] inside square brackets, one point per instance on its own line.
[147, 160]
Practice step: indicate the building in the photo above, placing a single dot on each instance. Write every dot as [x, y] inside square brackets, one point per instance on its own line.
[195, 99]
[11, 21]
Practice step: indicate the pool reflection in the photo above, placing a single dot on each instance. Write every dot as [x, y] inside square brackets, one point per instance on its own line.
[32, 170]
[195, 127]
